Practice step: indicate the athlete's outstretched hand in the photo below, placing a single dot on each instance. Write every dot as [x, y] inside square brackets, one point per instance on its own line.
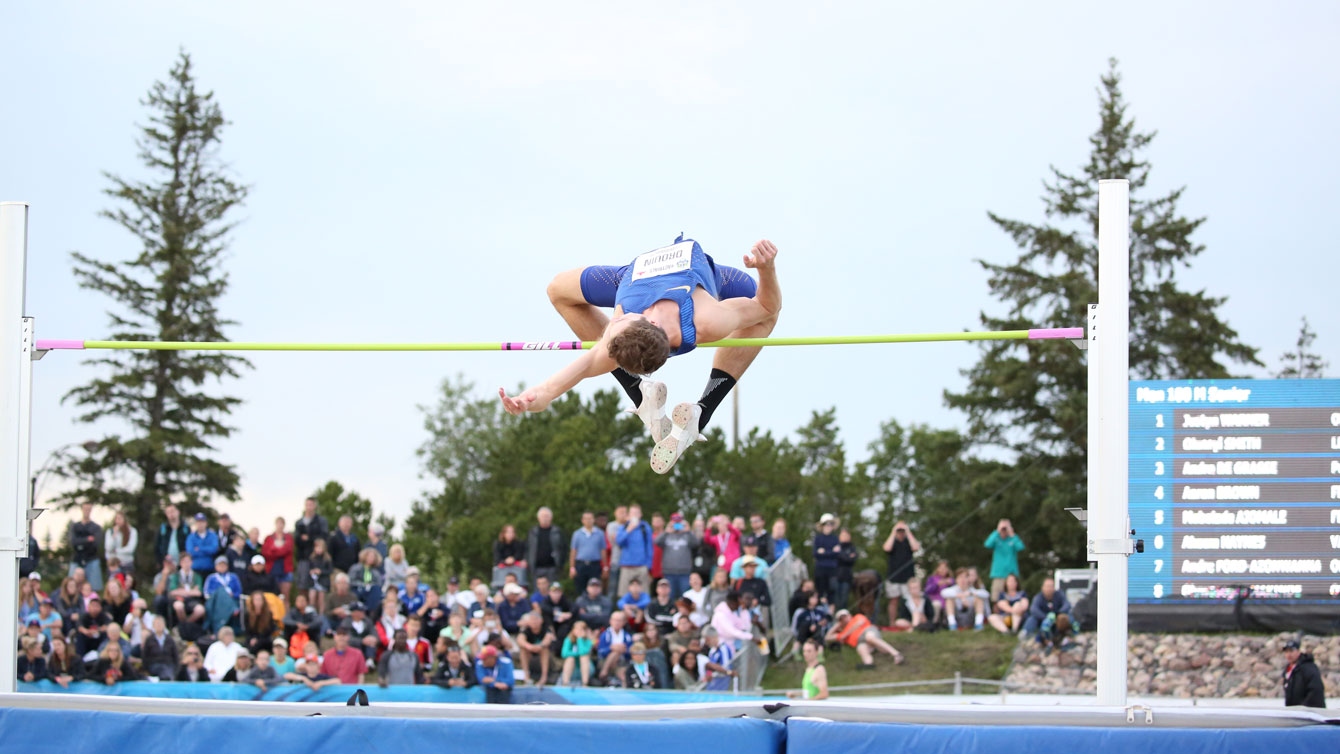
[761, 256]
[526, 400]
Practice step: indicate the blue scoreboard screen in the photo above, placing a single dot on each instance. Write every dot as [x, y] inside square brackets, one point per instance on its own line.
[1235, 489]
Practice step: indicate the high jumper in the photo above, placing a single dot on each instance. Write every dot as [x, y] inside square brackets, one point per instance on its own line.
[665, 301]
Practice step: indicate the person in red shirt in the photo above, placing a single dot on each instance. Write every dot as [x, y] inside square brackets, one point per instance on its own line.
[278, 551]
[343, 661]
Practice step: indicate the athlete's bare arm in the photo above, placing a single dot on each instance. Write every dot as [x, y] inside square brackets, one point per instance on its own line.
[592, 363]
[715, 320]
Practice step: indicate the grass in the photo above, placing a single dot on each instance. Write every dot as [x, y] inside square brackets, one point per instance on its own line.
[975, 654]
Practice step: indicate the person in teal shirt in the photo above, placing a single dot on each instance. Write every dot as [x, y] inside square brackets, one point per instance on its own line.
[1005, 547]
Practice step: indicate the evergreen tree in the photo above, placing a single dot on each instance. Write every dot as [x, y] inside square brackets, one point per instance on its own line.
[1302, 363]
[334, 501]
[168, 291]
[1032, 400]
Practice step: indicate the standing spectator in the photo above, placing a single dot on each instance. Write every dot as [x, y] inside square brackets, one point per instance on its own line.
[159, 651]
[546, 549]
[846, 563]
[494, 672]
[172, 533]
[227, 531]
[750, 547]
[1011, 607]
[593, 607]
[780, 544]
[319, 569]
[586, 551]
[751, 583]
[1303, 686]
[1047, 602]
[939, 580]
[265, 675]
[395, 567]
[239, 556]
[678, 544]
[83, 537]
[657, 529]
[416, 642]
[767, 549]
[902, 549]
[312, 675]
[508, 551]
[915, 609]
[377, 539]
[344, 547]
[120, 542]
[1005, 547]
[635, 550]
[278, 551]
[306, 531]
[399, 666]
[725, 538]
[826, 559]
[577, 653]
[202, 545]
[454, 671]
[222, 654]
[343, 661]
[391, 620]
[612, 529]
[964, 604]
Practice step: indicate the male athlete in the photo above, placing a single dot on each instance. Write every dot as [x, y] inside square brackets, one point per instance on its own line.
[665, 302]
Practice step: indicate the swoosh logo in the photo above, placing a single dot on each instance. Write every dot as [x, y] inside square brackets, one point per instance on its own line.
[688, 288]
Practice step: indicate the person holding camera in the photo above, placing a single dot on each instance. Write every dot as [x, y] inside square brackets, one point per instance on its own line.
[902, 549]
[678, 544]
[1005, 547]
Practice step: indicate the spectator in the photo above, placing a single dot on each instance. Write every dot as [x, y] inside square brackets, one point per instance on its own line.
[137, 624]
[612, 648]
[939, 580]
[32, 630]
[239, 556]
[678, 544]
[399, 665]
[265, 675]
[657, 529]
[223, 595]
[64, 666]
[1303, 686]
[546, 548]
[32, 663]
[635, 550]
[395, 568]
[577, 653]
[635, 596]
[257, 578]
[113, 666]
[1005, 547]
[638, 674]
[661, 611]
[362, 632]
[260, 622]
[91, 630]
[116, 601]
[227, 531]
[241, 670]
[302, 622]
[455, 596]
[689, 674]
[172, 533]
[536, 643]
[339, 599]
[678, 640]
[391, 620]
[780, 544]
[612, 529]
[754, 585]
[558, 612]
[586, 551]
[697, 595]
[67, 601]
[593, 606]
[963, 604]
[750, 547]
[814, 684]
[508, 552]
[344, 549]
[416, 642]
[494, 672]
[377, 539]
[718, 660]
[202, 545]
[716, 591]
[306, 532]
[731, 623]
[49, 620]
[29, 562]
[657, 654]
[312, 675]
[28, 600]
[343, 661]
[278, 551]
[705, 558]
[1056, 631]
[1048, 601]
[222, 654]
[185, 588]
[281, 659]
[366, 575]
[434, 615]
[319, 569]
[412, 596]
[762, 539]
[1011, 607]
[901, 548]
[915, 609]
[192, 668]
[513, 606]
[846, 563]
[826, 559]
[454, 671]
[457, 631]
[158, 651]
[857, 631]
[810, 621]
[725, 539]
[83, 537]
[489, 631]
[120, 541]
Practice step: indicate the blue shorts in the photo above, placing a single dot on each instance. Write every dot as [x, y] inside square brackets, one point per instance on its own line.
[600, 283]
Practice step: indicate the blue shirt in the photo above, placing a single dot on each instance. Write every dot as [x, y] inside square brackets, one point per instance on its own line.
[641, 601]
[828, 543]
[501, 671]
[635, 546]
[670, 273]
[227, 581]
[413, 602]
[1004, 554]
[608, 638]
[779, 546]
[202, 550]
[588, 545]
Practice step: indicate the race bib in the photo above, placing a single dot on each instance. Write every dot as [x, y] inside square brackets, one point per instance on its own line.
[663, 261]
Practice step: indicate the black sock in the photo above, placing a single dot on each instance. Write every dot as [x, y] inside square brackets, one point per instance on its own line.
[719, 384]
[632, 384]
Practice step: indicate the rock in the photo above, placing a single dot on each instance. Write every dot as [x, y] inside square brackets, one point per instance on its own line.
[1200, 661]
[1178, 664]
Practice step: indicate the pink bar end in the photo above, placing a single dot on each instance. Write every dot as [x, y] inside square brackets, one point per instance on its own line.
[1071, 333]
[57, 345]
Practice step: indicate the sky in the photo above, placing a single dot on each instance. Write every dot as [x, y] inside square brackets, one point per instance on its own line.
[420, 171]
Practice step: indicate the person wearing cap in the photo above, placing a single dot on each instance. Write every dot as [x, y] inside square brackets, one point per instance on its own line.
[495, 674]
[256, 578]
[593, 607]
[362, 631]
[661, 610]
[751, 553]
[223, 595]
[282, 660]
[678, 543]
[514, 605]
[1303, 686]
[242, 668]
[33, 630]
[47, 617]
[557, 612]
[859, 633]
[752, 583]
[202, 545]
[826, 559]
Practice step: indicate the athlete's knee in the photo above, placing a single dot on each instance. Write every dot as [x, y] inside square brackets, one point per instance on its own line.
[565, 288]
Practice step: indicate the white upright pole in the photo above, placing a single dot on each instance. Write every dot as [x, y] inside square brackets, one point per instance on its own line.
[1109, 359]
[13, 445]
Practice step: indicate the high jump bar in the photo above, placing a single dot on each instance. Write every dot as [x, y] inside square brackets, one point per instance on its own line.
[1058, 333]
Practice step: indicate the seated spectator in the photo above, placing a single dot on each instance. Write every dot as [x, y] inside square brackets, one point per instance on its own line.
[32, 664]
[799, 598]
[48, 619]
[416, 642]
[138, 622]
[716, 592]
[223, 596]
[265, 675]
[68, 603]
[116, 601]
[434, 615]
[158, 651]
[64, 666]
[192, 668]
[750, 554]
[222, 654]
[91, 630]
[780, 544]
[319, 570]
[310, 653]
[690, 671]
[241, 670]
[482, 600]
[113, 666]
[238, 554]
[536, 643]
[395, 568]
[302, 619]
[661, 610]
[281, 659]
[365, 577]
[857, 631]
[1011, 608]
[343, 661]
[718, 661]
[810, 621]
[455, 596]
[338, 600]
[593, 607]
[577, 653]
[488, 629]
[494, 672]
[457, 631]
[257, 579]
[658, 654]
[1048, 601]
[612, 648]
[454, 671]
[311, 675]
[261, 627]
[390, 622]
[678, 641]
[557, 612]
[915, 609]
[963, 604]
[413, 595]
[399, 665]
[697, 594]
[362, 632]
[513, 606]
[638, 674]
[940, 579]
[1056, 631]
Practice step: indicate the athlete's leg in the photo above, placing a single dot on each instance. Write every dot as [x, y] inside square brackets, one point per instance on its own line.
[729, 364]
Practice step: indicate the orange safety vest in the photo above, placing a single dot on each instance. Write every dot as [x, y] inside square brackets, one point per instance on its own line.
[855, 630]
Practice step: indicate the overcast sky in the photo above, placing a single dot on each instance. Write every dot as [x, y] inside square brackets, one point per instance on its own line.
[420, 171]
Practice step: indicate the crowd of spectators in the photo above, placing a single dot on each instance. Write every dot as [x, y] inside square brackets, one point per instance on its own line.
[622, 600]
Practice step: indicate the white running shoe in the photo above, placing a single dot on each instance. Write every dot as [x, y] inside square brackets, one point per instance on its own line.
[683, 433]
[652, 409]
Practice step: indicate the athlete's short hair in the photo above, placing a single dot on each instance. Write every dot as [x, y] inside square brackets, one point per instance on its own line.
[641, 348]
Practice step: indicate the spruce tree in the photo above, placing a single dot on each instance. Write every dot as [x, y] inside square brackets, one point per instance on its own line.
[166, 405]
[1032, 399]
[1302, 363]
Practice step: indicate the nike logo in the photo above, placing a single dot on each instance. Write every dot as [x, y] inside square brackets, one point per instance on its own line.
[688, 288]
